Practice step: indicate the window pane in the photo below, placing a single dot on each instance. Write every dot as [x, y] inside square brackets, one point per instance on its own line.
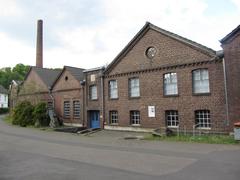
[202, 119]
[113, 91]
[66, 109]
[135, 117]
[172, 118]
[170, 84]
[113, 117]
[134, 87]
[93, 92]
[201, 81]
[76, 109]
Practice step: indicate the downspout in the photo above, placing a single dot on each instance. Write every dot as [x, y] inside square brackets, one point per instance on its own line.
[226, 92]
[102, 91]
[84, 101]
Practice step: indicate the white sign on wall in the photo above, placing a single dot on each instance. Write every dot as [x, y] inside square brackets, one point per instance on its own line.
[151, 111]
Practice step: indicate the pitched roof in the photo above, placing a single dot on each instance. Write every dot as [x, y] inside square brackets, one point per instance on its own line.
[141, 33]
[231, 34]
[48, 76]
[77, 73]
[94, 69]
[3, 90]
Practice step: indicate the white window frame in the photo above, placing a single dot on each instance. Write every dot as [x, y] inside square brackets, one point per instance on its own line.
[170, 84]
[93, 92]
[113, 89]
[172, 118]
[200, 83]
[134, 87]
[202, 119]
[66, 109]
[135, 118]
[76, 109]
[113, 116]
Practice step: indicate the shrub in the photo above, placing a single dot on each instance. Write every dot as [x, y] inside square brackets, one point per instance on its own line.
[4, 110]
[40, 115]
[23, 114]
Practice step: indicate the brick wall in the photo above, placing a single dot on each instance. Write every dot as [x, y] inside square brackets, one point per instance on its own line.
[67, 88]
[93, 78]
[169, 52]
[232, 60]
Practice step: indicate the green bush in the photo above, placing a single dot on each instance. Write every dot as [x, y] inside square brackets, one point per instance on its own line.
[4, 110]
[40, 115]
[23, 114]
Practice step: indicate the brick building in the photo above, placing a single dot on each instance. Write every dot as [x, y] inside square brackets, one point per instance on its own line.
[163, 80]
[37, 85]
[158, 80]
[68, 95]
[231, 46]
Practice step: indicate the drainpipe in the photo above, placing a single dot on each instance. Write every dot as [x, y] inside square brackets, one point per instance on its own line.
[83, 97]
[226, 92]
[102, 91]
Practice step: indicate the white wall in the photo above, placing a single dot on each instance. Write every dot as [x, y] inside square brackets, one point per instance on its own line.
[3, 100]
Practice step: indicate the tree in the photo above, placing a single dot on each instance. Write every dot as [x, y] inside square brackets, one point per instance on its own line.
[17, 73]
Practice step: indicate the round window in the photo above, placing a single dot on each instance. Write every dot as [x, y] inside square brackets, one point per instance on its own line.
[151, 52]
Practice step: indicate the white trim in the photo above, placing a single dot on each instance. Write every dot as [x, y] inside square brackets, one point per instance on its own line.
[134, 129]
[73, 124]
[203, 128]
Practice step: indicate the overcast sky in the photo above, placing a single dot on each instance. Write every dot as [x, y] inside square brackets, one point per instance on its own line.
[90, 33]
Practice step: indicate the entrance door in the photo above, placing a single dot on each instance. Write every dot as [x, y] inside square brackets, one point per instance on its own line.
[94, 119]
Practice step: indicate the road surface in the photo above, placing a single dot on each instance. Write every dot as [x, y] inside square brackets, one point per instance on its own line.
[30, 154]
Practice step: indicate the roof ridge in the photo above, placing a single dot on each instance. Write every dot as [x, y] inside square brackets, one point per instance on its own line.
[230, 34]
[144, 29]
[181, 37]
[74, 67]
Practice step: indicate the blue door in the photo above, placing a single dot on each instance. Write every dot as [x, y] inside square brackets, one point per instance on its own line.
[94, 119]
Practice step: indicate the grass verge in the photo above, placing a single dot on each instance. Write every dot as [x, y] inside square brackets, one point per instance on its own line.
[8, 119]
[210, 139]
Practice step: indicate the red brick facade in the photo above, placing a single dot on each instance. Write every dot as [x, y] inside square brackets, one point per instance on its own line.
[34, 89]
[231, 46]
[151, 54]
[172, 56]
[68, 88]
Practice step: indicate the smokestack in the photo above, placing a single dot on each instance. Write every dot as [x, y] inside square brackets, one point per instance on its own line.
[39, 50]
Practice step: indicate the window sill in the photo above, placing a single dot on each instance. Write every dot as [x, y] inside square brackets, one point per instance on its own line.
[175, 127]
[136, 125]
[203, 128]
[93, 99]
[201, 94]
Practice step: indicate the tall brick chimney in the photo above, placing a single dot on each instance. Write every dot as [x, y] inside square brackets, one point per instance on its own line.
[39, 50]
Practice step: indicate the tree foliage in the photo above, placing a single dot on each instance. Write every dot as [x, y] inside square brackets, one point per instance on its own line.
[26, 114]
[16, 73]
[40, 115]
[23, 114]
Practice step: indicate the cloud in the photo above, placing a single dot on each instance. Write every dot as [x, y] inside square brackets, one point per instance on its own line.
[13, 51]
[10, 8]
[91, 33]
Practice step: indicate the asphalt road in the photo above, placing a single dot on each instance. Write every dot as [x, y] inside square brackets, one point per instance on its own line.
[29, 154]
